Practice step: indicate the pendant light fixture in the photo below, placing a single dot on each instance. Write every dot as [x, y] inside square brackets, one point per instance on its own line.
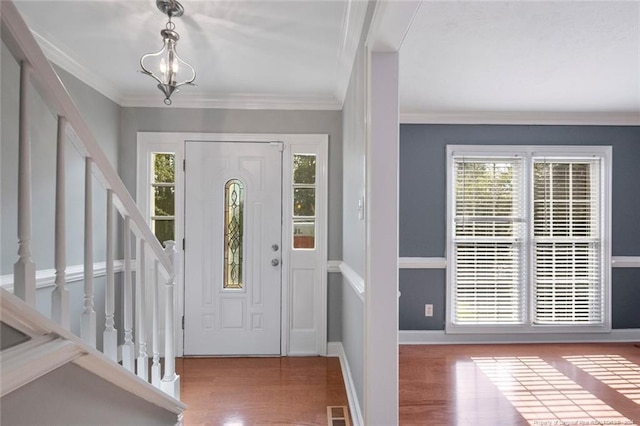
[168, 67]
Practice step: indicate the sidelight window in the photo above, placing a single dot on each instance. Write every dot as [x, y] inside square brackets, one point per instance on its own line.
[304, 201]
[163, 195]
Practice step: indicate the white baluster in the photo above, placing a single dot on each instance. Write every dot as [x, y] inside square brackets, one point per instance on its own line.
[24, 270]
[170, 381]
[60, 295]
[142, 366]
[128, 349]
[110, 335]
[88, 321]
[155, 365]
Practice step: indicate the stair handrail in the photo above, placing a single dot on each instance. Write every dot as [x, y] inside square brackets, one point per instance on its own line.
[23, 46]
[36, 69]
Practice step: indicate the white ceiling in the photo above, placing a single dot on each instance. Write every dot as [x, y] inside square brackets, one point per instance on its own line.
[522, 57]
[459, 59]
[246, 53]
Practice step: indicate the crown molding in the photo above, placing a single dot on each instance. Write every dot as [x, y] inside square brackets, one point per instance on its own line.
[236, 101]
[355, 12]
[59, 57]
[390, 24]
[525, 118]
[55, 55]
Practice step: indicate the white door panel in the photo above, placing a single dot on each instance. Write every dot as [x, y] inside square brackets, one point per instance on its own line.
[244, 317]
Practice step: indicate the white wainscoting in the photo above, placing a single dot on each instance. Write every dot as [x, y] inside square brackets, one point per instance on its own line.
[335, 349]
[46, 277]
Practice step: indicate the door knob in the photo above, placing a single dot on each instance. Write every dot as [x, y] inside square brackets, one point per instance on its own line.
[275, 262]
[275, 247]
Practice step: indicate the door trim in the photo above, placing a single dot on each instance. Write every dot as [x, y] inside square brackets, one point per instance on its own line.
[311, 341]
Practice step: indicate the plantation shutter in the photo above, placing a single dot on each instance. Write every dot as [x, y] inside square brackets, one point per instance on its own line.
[488, 240]
[567, 232]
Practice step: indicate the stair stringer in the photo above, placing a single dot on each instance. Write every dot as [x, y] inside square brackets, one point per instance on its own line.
[51, 347]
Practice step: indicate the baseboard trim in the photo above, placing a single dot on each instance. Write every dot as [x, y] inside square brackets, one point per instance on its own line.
[335, 349]
[439, 337]
[522, 118]
[47, 277]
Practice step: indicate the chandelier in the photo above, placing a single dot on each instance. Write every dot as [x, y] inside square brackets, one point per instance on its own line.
[171, 71]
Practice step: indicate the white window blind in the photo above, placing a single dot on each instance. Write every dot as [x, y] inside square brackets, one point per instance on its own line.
[528, 238]
[489, 216]
[566, 234]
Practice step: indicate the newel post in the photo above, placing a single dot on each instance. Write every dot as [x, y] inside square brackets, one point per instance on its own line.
[171, 381]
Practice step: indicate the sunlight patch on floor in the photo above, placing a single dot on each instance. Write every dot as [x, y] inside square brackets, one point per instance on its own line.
[545, 396]
[612, 370]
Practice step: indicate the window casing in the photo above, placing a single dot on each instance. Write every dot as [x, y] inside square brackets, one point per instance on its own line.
[528, 244]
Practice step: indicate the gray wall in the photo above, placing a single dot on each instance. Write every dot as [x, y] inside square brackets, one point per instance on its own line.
[354, 187]
[334, 308]
[103, 117]
[353, 244]
[423, 208]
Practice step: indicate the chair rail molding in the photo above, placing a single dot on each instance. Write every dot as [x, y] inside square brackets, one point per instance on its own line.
[46, 277]
[441, 262]
[354, 279]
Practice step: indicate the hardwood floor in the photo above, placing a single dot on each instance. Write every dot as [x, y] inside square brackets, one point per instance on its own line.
[512, 385]
[440, 385]
[260, 391]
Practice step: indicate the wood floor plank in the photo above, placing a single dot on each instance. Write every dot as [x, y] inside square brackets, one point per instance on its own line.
[440, 385]
[260, 391]
[517, 385]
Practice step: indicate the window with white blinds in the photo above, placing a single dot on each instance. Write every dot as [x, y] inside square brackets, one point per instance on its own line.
[566, 241]
[526, 237]
[489, 231]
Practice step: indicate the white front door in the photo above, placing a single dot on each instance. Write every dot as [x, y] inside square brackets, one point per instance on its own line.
[233, 223]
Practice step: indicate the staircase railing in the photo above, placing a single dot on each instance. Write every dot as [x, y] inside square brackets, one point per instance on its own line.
[36, 69]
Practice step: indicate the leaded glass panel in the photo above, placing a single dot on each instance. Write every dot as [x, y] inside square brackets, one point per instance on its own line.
[233, 233]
